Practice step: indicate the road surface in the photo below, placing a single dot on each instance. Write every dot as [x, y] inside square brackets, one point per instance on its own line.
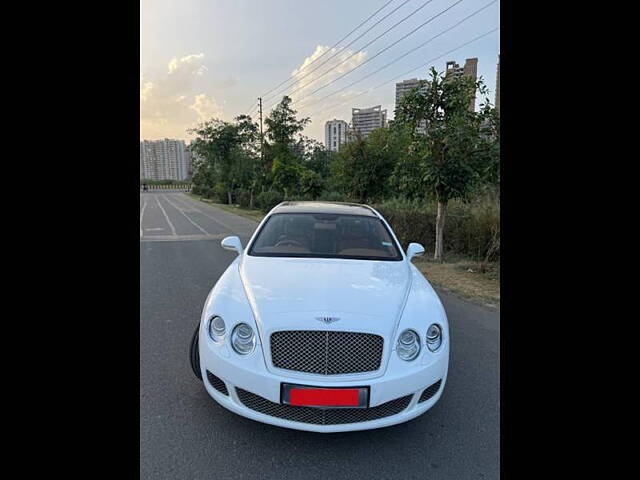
[184, 434]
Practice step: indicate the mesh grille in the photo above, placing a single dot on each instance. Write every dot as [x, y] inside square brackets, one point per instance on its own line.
[216, 383]
[318, 416]
[430, 391]
[326, 353]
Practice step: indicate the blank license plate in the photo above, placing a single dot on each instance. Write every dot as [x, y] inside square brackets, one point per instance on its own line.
[307, 396]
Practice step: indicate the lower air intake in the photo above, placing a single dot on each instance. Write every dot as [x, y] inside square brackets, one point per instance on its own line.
[430, 391]
[317, 416]
[216, 383]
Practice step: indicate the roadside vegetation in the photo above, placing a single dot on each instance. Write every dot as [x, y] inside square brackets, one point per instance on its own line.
[164, 182]
[434, 173]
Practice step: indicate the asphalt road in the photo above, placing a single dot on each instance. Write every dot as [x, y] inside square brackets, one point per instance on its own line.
[184, 434]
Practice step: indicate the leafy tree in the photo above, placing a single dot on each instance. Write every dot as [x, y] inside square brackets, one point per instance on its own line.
[311, 183]
[282, 124]
[458, 147]
[286, 171]
[284, 156]
[227, 153]
[348, 167]
[363, 166]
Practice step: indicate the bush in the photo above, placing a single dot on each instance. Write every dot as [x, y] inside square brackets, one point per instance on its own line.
[471, 229]
[242, 198]
[333, 197]
[265, 201]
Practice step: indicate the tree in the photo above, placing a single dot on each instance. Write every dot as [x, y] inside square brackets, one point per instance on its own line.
[311, 183]
[286, 171]
[363, 166]
[281, 161]
[249, 135]
[227, 153]
[457, 146]
[282, 124]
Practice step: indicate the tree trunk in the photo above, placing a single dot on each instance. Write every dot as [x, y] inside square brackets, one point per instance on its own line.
[229, 197]
[442, 212]
[251, 199]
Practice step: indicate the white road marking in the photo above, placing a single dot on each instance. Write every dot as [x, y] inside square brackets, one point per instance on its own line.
[173, 230]
[185, 216]
[153, 229]
[230, 229]
[144, 205]
[181, 238]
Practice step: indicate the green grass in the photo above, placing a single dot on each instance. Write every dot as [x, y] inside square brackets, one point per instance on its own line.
[255, 215]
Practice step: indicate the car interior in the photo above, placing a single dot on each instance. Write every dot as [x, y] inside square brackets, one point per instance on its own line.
[325, 234]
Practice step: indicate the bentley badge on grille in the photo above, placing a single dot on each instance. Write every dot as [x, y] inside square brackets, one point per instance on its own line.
[327, 320]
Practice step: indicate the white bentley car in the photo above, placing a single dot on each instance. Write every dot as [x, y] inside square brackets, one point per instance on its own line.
[322, 323]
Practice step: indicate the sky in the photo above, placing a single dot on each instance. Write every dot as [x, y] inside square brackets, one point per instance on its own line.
[202, 59]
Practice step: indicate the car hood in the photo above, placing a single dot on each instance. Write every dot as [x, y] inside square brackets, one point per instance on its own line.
[293, 293]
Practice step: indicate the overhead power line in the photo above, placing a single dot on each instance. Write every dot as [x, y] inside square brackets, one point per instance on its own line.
[386, 82]
[460, 22]
[381, 51]
[364, 46]
[336, 44]
[342, 49]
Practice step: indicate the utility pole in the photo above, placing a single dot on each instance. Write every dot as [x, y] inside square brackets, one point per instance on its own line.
[261, 139]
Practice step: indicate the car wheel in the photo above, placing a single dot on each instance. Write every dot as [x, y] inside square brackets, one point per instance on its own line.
[194, 354]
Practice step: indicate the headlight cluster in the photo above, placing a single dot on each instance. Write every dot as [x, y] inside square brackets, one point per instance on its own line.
[409, 342]
[243, 340]
[217, 329]
[408, 345]
[434, 337]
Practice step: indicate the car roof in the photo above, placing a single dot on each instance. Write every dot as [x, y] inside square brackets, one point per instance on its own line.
[324, 207]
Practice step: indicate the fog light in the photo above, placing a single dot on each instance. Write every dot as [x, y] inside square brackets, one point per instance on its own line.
[408, 345]
[243, 339]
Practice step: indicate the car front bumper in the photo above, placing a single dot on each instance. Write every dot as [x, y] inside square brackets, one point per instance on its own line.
[254, 392]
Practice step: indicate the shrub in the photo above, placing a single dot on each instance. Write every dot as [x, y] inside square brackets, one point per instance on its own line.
[265, 201]
[471, 229]
[242, 198]
[333, 197]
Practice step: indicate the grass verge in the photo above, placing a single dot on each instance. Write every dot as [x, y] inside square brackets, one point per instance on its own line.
[256, 215]
[468, 279]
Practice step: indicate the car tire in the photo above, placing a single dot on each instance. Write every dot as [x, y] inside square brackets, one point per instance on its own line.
[194, 355]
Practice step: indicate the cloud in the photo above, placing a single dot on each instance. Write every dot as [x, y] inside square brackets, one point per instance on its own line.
[308, 80]
[205, 107]
[310, 76]
[170, 104]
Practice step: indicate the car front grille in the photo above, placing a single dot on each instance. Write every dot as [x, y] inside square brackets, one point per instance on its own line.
[216, 383]
[430, 391]
[326, 352]
[322, 416]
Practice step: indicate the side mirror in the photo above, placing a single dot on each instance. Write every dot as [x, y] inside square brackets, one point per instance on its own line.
[414, 250]
[232, 243]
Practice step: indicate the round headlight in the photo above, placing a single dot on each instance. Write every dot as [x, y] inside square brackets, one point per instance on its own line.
[408, 345]
[243, 339]
[217, 328]
[434, 337]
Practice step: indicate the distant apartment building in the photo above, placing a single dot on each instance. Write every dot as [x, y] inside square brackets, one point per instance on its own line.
[470, 69]
[335, 134]
[404, 87]
[163, 159]
[498, 87]
[366, 120]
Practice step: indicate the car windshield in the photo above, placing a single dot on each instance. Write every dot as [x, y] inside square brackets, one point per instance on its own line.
[323, 235]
